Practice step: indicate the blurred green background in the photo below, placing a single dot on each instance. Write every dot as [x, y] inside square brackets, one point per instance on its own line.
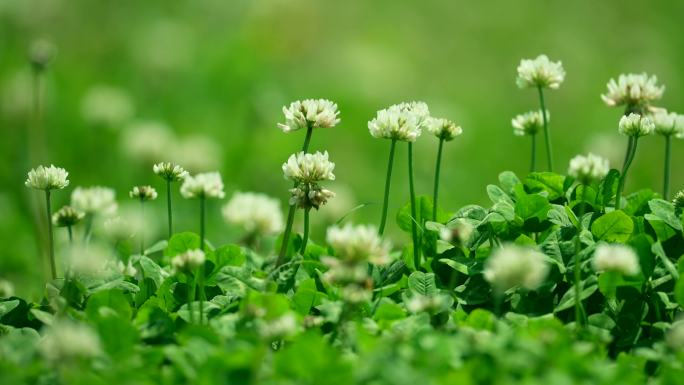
[216, 74]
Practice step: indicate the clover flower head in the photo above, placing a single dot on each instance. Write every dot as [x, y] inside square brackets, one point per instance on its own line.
[678, 200]
[67, 340]
[255, 213]
[458, 230]
[418, 109]
[118, 228]
[511, 266]
[106, 106]
[148, 141]
[6, 288]
[616, 257]
[47, 178]
[309, 168]
[207, 185]
[169, 171]
[188, 260]
[636, 125]
[443, 128]
[403, 122]
[67, 216]
[277, 328]
[308, 195]
[540, 72]
[359, 244]
[668, 123]
[675, 336]
[529, 123]
[41, 53]
[589, 168]
[313, 113]
[89, 260]
[144, 193]
[94, 200]
[637, 91]
[126, 269]
[351, 277]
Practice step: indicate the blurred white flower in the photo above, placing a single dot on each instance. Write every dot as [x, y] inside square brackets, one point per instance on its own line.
[67, 340]
[443, 128]
[309, 168]
[94, 200]
[634, 90]
[144, 193]
[169, 171]
[163, 46]
[678, 200]
[126, 269]
[148, 141]
[540, 72]
[188, 261]
[197, 153]
[204, 185]
[67, 216]
[456, 229]
[106, 106]
[403, 122]
[351, 276]
[41, 53]
[278, 328]
[16, 98]
[635, 125]
[616, 257]
[431, 304]
[603, 144]
[511, 266]
[668, 123]
[117, 228]
[359, 244]
[47, 178]
[89, 260]
[308, 195]
[589, 168]
[254, 212]
[6, 288]
[314, 113]
[675, 336]
[529, 123]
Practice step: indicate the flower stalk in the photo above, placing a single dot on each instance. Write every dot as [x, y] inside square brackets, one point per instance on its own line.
[666, 170]
[414, 216]
[51, 242]
[547, 138]
[436, 188]
[388, 179]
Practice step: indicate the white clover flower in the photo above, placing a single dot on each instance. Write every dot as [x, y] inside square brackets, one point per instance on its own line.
[188, 261]
[668, 123]
[308, 195]
[633, 90]
[90, 260]
[456, 229]
[529, 123]
[278, 328]
[169, 171]
[66, 340]
[118, 228]
[208, 185]
[94, 200]
[255, 213]
[144, 193]
[675, 336]
[126, 269]
[635, 125]
[197, 153]
[106, 106]
[359, 243]
[616, 257]
[47, 178]
[403, 122]
[443, 128]
[431, 304]
[589, 168]
[148, 141]
[6, 289]
[351, 276]
[511, 266]
[678, 200]
[314, 113]
[540, 72]
[309, 168]
[67, 216]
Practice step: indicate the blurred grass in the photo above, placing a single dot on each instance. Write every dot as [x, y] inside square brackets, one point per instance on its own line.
[224, 69]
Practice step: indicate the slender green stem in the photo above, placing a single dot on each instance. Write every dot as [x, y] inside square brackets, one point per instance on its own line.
[533, 161]
[631, 151]
[414, 225]
[437, 167]
[307, 139]
[305, 238]
[388, 179]
[88, 227]
[577, 268]
[142, 227]
[168, 206]
[191, 297]
[71, 234]
[547, 138]
[200, 269]
[666, 177]
[51, 242]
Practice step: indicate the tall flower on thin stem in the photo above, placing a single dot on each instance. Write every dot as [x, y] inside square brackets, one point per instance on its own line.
[530, 123]
[445, 130]
[306, 114]
[633, 126]
[257, 214]
[541, 73]
[143, 194]
[170, 173]
[67, 217]
[190, 263]
[634, 91]
[202, 186]
[48, 179]
[668, 125]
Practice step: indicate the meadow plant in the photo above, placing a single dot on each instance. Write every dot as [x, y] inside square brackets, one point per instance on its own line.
[143, 194]
[530, 123]
[634, 126]
[170, 173]
[668, 125]
[67, 217]
[445, 130]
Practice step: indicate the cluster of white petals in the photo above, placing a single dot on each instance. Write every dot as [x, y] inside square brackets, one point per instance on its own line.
[94, 200]
[203, 185]
[636, 125]
[47, 178]
[188, 260]
[126, 269]
[443, 128]
[668, 123]
[633, 90]
[516, 266]
[67, 216]
[89, 260]
[540, 72]
[313, 113]
[589, 168]
[403, 122]
[309, 168]
[529, 123]
[310, 195]
[169, 171]
[66, 340]
[359, 244]
[255, 213]
[145, 193]
[678, 200]
[616, 257]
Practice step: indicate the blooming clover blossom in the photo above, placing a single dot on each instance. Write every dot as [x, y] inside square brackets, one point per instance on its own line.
[94, 200]
[668, 123]
[67, 340]
[67, 216]
[208, 184]
[511, 266]
[309, 195]
[616, 257]
[633, 90]
[169, 171]
[678, 200]
[529, 123]
[47, 178]
[443, 128]
[313, 113]
[359, 243]
[90, 260]
[589, 168]
[540, 72]
[402, 122]
[255, 213]
[144, 193]
[188, 261]
[309, 168]
[636, 125]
